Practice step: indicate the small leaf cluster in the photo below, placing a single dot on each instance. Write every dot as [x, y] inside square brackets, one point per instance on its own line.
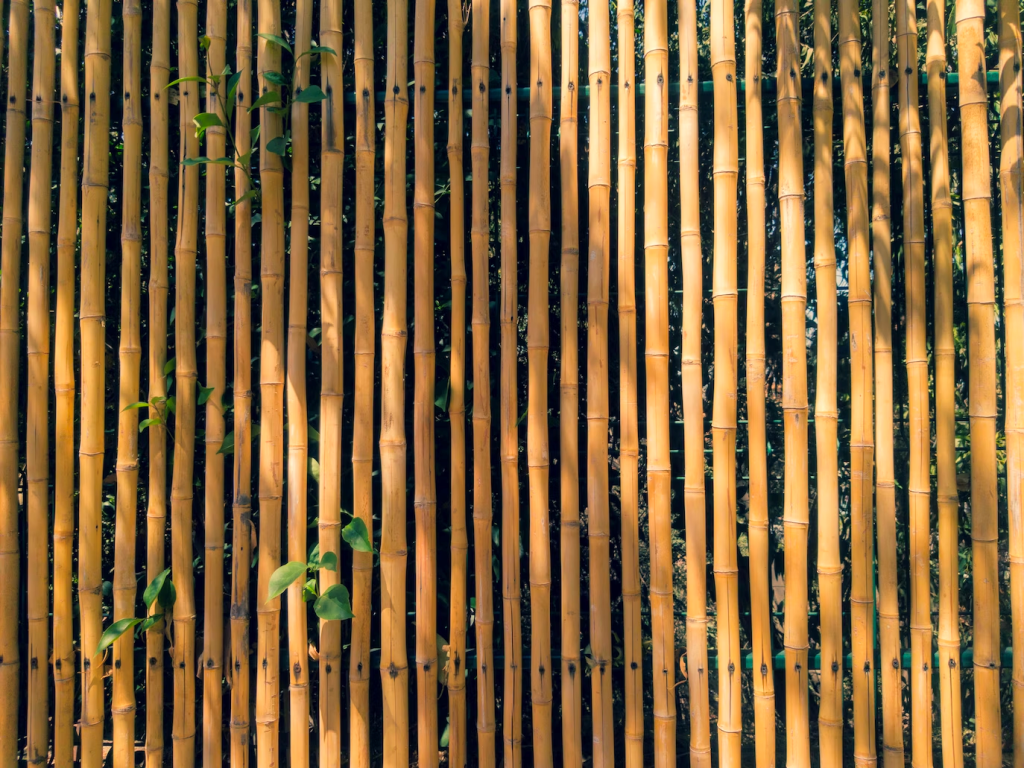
[160, 592]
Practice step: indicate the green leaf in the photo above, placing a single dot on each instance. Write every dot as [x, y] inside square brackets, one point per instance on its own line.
[309, 591]
[314, 469]
[277, 40]
[329, 560]
[172, 404]
[180, 80]
[445, 736]
[204, 42]
[270, 97]
[155, 587]
[311, 95]
[317, 49]
[334, 605]
[188, 162]
[284, 577]
[312, 434]
[277, 78]
[114, 631]
[168, 595]
[228, 444]
[147, 423]
[357, 536]
[207, 120]
[278, 146]
[204, 395]
[133, 406]
[442, 400]
[254, 134]
[148, 623]
[169, 366]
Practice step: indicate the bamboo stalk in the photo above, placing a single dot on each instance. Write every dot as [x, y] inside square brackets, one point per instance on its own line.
[96, 160]
[977, 197]
[758, 533]
[945, 394]
[10, 340]
[538, 344]
[568, 387]
[629, 449]
[723, 422]
[697, 671]
[826, 413]
[64, 390]
[185, 248]
[125, 588]
[394, 662]
[486, 725]
[458, 736]
[297, 412]
[794, 382]
[425, 502]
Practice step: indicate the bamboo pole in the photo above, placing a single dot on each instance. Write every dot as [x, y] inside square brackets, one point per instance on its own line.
[977, 197]
[757, 443]
[458, 737]
[826, 414]
[794, 381]
[538, 343]
[216, 377]
[425, 502]
[568, 388]
[64, 391]
[394, 663]
[697, 671]
[723, 423]
[629, 449]
[10, 340]
[96, 159]
[945, 394]
[297, 412]
[125, 588]
[241, 503]
[486, 725]
[861, 419]
[185, 248]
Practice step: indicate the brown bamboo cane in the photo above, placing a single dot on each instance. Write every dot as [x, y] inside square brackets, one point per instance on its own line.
[96, 160]
[757, 444]
[945, 396]
[568, 389]
[215, 289]
[394, 661]
[125, 588]
[861, 385]
[977, 197]
[272, 379]
[38, 393]
[794, 381]
[297, 413]
[158, 289]
[919, 486]
[186, 245]
[697, 670]
[723, 422]
[241, 503]
[538, 343]
[826, 415]
[629, 449]
[1012, 196]
[486, 725]
[10, 339]
[888, 607]
[458, 737]
[424, 354]
[598, 278]
[64, 391]
[332, 148]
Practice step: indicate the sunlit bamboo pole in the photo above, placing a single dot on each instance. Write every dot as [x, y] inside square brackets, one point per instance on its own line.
[981, 347]
[629, 448]
[538, 341]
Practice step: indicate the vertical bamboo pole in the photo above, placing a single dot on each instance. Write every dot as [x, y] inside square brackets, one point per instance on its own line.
[826, 415]
[297, 413]
[723, 423]
[96, 163]
[629, 449]
[38, 401]
[394, 662]
[538, 342]
[480, 73]
[458, 605]
[794, 381]
[64, 390]
[130, 357]
[568, 389]
[757, 442]
[977, 197]
[693, 412]
[945, 394]
[425, 502]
